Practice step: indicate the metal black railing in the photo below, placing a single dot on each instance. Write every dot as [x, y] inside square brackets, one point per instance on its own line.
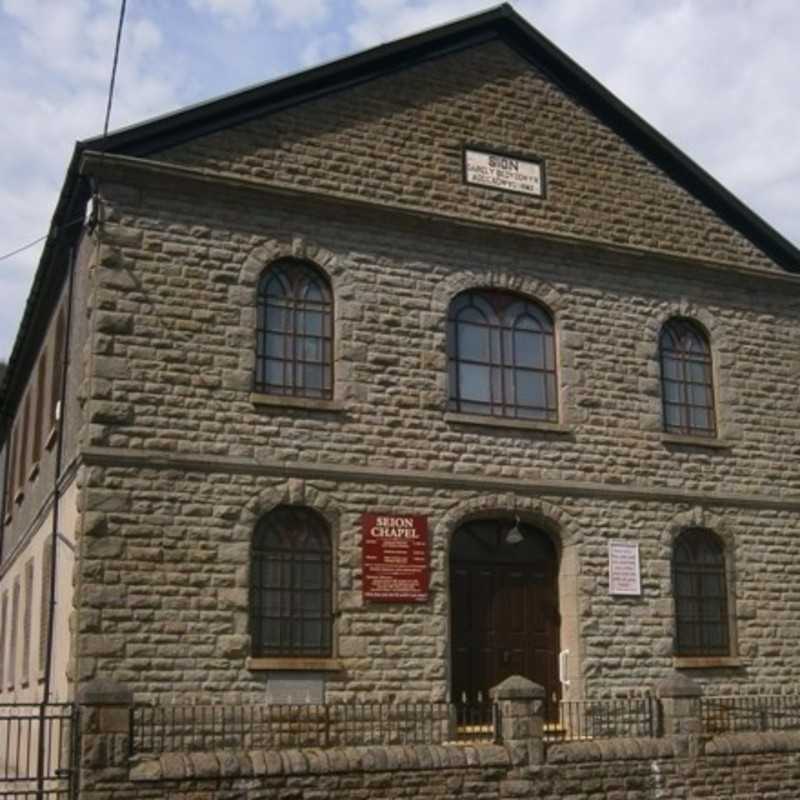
[187, 728]
[38, 750]
[750, 713]
[577, 720]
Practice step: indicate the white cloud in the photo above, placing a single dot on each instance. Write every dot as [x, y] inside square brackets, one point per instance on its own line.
[321, 49]
[285, 13]
[718, 79]
[232, 12]
[53, 90]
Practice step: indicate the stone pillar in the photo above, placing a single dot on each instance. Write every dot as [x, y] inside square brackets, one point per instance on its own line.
[105, 719]
[520, 707]
[680, 709]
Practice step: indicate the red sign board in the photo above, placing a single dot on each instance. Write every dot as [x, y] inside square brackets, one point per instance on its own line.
[394, 550]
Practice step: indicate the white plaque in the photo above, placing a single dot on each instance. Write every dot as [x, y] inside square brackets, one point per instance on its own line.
[624, 576]
[503, 172]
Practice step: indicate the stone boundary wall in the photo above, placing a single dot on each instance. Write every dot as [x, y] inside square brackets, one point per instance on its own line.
[744, 767]
[681, 764]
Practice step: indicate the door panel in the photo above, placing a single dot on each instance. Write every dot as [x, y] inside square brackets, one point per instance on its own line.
[504, 622]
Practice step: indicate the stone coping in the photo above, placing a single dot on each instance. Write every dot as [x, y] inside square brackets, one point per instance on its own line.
[761, 742]
[257, 763]
[617, 750]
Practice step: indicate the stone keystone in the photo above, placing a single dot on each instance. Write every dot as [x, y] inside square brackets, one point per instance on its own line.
[516, 687]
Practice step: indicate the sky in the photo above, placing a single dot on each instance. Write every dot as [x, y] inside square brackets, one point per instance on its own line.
[719, 78]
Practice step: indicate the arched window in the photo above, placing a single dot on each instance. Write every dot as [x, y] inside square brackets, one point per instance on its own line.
[686, 380]
[502, 357]
[701, 595]
[294, 338]
[290, 600]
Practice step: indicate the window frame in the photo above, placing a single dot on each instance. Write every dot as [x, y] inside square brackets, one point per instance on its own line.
[694, 569]
[57, 368]
[4, 638]
[677, 329]
[505, 370]
[279, 538]
[297, 276]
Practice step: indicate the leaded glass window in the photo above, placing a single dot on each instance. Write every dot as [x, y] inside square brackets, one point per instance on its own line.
[701, 595]
[502, 357]
[290, 601]
[294, 341]
[686, 380]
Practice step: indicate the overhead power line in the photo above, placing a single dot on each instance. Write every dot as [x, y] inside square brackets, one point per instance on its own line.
[105, 125]
[114, 67]
[24, 247]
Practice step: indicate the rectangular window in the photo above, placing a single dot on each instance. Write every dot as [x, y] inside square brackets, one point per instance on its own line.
[38, 422]
[57, 371]
[12, 471]
[13, 626]
[27, 619]
[44, 608]
[3, 637]
[24, 444]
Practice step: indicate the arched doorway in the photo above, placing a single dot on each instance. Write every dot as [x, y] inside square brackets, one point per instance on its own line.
[504, 617]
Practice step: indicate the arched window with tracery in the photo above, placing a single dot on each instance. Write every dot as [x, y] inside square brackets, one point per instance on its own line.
[687, 385]
[701, 595]
[294, 336]
[291, 585]
[502, 358]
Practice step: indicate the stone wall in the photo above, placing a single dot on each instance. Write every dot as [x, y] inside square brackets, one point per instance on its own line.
[682, 764]
[399, 140]
[166, 554]
[176, 373]
[184, 459]
[181, 457]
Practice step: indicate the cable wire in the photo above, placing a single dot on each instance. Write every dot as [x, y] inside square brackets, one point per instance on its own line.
[114, 67]
[40, 239]
[24, 247]
[105, 126]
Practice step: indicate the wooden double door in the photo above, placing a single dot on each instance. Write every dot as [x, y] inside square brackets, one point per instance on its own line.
[504, 609]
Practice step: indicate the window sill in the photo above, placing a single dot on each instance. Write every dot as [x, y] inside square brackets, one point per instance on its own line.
[705, 662]
[293, 664]
[286, 401]
[695, 441]
[7, 521]
[51, 437]
[19, 496]
[34, 472]
[501, 422]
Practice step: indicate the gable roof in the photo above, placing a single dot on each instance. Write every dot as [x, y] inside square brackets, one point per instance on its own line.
[499, 23]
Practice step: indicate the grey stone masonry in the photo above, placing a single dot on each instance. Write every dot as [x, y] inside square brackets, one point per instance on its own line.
[399, 141]
[105, 729]
[680, 702]
[179, 458]
[520, 709]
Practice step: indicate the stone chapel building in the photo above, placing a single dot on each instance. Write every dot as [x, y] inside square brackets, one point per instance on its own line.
[392, 378]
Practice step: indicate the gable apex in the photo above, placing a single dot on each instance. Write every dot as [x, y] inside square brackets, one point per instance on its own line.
[501, 22]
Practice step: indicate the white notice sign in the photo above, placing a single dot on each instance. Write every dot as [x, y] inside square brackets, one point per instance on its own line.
[624, 576]
[503, 172]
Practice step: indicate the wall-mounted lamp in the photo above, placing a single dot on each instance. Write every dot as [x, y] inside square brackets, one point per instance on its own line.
[514, 536]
